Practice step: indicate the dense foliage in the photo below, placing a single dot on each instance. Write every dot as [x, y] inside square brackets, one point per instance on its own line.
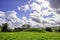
[48, 29]
[27, 28]
[5, 27]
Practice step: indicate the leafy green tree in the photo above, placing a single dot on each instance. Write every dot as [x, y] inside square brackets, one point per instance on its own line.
[18, 29]
[58, 29]
[5, 27]
[0, 28]
[26, 26]
[48, 29]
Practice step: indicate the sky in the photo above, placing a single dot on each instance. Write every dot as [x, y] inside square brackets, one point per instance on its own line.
[37, 13]
[9, 5]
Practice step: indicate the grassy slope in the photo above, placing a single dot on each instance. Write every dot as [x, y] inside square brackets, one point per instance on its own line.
[29, 36]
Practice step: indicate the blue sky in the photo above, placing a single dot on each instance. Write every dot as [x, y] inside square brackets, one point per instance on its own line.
[7, 5]
[33, 12]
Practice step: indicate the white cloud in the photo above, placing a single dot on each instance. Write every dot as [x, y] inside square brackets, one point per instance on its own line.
[35, 6]
[54, 4]
[24, 20]
[19, 8]
[42, 8]
[11, 18]
[2, 14]
[26, 7]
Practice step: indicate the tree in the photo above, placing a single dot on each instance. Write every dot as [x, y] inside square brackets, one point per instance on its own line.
[0, 28]
[18, 29]
[48, 29]
[59, 29]
[5, 27]
[25, 26]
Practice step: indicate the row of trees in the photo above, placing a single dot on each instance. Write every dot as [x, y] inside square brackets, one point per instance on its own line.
[5, 28]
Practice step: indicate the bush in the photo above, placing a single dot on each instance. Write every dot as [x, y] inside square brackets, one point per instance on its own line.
[4, 28]
[48, 29]
[0, 28]
[26, 26]
[57, 29]
[10, 30]
[34, 30]
[18, 29]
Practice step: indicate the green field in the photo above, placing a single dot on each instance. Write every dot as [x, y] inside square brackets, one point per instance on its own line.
[29, 36]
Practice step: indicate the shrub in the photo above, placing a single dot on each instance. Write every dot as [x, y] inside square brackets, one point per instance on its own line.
[48, 29]
[10, 30]
[34, 30]
[18, 29]
[0, 28]
[57, 29]
[5, 27]
[26, 26]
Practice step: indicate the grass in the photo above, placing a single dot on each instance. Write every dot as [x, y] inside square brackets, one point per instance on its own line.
[29, 36]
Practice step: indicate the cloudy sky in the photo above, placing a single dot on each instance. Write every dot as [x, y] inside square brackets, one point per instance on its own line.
[37, 13]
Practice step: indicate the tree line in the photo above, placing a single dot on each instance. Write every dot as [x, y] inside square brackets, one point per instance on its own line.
[27, 28]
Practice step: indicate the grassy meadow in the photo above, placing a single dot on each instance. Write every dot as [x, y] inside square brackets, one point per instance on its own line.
[29, 36]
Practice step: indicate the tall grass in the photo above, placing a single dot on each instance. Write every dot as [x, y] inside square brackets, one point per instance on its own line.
[29, 36]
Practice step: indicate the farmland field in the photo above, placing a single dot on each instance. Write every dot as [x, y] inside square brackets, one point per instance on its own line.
[29, 36]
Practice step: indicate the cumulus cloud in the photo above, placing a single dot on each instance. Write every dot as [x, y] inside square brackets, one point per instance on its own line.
[2, 16]
[18, 7]
[43, 13]
[26, 7]
[11, 18]
[24, 20]
[55, 3]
